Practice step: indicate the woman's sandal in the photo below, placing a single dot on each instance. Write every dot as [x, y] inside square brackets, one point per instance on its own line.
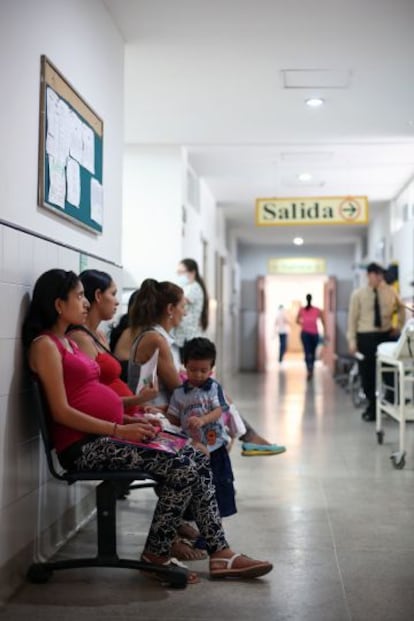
[192, 576]
[186, 530]
[184, 550]
[238, 566]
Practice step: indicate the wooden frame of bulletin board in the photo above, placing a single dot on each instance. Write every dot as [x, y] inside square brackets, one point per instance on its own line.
[70, 152]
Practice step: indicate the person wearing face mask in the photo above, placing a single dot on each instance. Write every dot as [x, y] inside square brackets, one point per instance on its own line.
[195, 322]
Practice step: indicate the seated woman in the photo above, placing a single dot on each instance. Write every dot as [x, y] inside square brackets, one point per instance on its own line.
[120, 339]
[101, 293]
[88, 431]
[150, 327]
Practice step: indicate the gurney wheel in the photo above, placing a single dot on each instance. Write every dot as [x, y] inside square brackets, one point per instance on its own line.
[398, 460]
[380, 437]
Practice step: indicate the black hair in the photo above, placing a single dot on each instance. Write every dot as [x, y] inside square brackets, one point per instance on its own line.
[375, 268]
[192, 266]
[199, 348]
[53, 285]
[151, 301]
[93, 281]
[308, 301]
[122, 324]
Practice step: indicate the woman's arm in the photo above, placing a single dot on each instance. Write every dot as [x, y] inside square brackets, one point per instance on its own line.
[166, 370]
[147, 393]
[46, 362]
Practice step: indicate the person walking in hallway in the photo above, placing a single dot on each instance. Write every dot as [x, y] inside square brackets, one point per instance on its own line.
[282, 327]
[371, 309]
[308, 317]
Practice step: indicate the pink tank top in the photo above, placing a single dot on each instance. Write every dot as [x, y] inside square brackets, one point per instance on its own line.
[309, 318]
[84, 392]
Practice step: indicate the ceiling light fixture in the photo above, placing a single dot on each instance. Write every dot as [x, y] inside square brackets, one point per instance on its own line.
[298, 241]
[314, 102]
[305, 177]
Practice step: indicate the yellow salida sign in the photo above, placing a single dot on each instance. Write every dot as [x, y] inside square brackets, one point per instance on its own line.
[312, 210]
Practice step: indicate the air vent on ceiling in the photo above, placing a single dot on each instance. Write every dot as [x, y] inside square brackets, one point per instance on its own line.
[316, 78]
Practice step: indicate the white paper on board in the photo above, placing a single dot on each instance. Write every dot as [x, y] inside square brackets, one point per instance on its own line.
[73, 182]
[57, 183]
[96, 201]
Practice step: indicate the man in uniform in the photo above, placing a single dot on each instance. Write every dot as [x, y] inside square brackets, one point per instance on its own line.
[370, 315]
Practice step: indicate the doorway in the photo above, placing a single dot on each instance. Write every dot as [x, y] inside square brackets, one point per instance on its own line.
[291, 293]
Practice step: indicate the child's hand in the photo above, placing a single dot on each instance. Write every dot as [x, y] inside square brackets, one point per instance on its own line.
[194, 423]
[200, 447]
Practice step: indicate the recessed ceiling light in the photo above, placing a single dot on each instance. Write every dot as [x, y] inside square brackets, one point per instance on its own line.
[314, 102]
[305, 176]
[298, 241]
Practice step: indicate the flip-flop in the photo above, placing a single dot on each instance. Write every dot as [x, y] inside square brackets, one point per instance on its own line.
[192, 576]
[254, 569]
[251, 449]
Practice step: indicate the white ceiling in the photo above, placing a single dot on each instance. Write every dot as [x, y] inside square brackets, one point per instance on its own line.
[213, 75]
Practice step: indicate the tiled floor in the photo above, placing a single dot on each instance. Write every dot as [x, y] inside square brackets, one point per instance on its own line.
[331, 513]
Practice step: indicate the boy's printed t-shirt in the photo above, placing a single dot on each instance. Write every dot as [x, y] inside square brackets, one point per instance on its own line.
[189, 401]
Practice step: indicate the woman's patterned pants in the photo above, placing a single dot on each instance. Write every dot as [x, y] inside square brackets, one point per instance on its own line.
[184, 481]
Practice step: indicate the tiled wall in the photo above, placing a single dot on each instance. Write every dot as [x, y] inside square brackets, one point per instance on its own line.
[31, 503]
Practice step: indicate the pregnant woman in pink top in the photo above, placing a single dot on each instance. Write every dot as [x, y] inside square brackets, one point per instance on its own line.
[307, 318]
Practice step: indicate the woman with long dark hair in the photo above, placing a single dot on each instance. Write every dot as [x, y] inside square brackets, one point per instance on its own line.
[101, 293]
[195, 322]
[89, 434]
[152, 326]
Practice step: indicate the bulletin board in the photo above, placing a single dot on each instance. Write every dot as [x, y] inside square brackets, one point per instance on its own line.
[70, 152]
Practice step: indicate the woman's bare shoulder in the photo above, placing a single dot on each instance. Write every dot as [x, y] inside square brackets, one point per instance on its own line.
[79, 336]
[42, 347]
[148, 343]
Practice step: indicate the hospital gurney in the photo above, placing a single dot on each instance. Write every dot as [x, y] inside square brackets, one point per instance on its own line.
[395, 386]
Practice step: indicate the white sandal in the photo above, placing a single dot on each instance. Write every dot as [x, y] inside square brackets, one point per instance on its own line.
[252, 570]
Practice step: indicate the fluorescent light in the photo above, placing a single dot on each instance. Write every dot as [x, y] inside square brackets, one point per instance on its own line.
[305, 176]
[314, 102]
[298, 241]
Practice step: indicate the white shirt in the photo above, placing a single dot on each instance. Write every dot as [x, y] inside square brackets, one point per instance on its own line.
[281, 322]
[190, 326]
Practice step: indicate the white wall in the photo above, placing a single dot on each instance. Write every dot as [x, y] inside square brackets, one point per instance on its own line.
[152, 213]
[401, 241]
[379, 234]
[81, 41]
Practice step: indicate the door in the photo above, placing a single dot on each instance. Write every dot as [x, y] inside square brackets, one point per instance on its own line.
[261, 324]
[328, 352]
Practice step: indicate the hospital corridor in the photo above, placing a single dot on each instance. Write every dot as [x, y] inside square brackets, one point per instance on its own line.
[331, 512]
[207, 310]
